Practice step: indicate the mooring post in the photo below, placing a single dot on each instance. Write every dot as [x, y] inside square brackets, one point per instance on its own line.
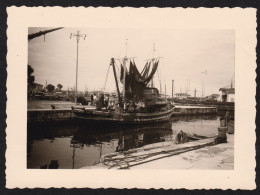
[222, 131]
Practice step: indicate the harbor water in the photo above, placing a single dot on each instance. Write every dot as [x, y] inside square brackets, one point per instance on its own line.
[74, 145]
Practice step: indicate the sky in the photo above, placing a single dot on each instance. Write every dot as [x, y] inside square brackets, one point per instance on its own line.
[185, 54]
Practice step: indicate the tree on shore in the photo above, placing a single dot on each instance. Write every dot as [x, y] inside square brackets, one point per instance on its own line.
[30, 77]
[50, 88]
[59, 87]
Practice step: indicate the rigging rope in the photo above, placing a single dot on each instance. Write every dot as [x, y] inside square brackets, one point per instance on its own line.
[111, 84]
[164, 76]
[117, 66]
[106, 78]
[159, 80]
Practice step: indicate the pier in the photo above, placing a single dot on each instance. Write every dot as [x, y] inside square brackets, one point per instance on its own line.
[49, 115]
[194, 110]
[191, 155]
[48, 111]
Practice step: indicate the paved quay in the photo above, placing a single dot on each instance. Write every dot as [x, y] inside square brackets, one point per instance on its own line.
[46, 105]
[50, 111]
[218, 157]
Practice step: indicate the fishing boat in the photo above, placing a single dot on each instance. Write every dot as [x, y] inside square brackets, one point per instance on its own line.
[138, 102]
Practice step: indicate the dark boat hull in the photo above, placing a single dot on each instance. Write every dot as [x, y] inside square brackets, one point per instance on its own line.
[127, 118]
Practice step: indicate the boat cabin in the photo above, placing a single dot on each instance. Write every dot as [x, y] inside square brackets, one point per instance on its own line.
[150, 93]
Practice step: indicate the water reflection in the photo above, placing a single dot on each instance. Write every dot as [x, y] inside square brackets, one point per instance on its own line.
[76, 145]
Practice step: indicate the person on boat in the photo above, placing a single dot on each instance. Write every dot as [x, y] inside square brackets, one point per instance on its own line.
[100, 103]
[95, 98]
[106, 100]
[92, 99]
[141, 106]
[126, 106]
[134, 105]
[111, 102]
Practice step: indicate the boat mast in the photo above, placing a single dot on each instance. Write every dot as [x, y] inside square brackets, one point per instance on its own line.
[117, 87]
[153, 63]
[124, 64]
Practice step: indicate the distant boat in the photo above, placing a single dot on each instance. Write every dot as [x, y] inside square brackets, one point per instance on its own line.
[138, 102]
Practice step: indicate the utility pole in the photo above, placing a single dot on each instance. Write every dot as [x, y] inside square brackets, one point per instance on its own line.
[203, 83]
[195, 92]
[78, 36]
[172, 87]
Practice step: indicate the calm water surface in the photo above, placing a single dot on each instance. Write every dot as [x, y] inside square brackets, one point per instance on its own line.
[77, 145]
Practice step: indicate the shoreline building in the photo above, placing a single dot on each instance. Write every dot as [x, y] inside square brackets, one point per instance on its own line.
[227, 94]
[35, 87]
[214, 97]
[182, 95]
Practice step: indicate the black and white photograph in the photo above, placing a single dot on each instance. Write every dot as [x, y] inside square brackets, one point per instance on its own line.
[130, 98]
